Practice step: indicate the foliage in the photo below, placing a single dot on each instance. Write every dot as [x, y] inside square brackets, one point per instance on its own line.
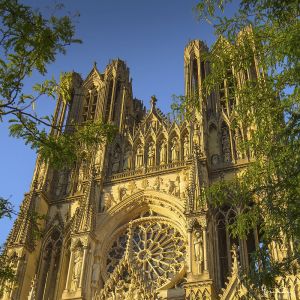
[262, 36]
[28, 43]
[6, 272]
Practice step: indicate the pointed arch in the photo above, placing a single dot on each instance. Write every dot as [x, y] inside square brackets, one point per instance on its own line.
[49, 264]
[226, 143]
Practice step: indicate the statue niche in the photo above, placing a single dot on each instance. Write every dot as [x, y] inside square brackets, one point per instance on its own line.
[139, 160]
[198, 250]
[186, 148]
[127, 161]
[49, 266]
[115, 165]
[174, 150]
[226, 148]
[163, 153]
[151, 154]
[77, 266]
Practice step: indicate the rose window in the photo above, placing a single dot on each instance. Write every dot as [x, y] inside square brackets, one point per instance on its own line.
[152, 246]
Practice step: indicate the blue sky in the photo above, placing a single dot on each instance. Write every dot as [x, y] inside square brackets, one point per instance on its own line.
[149, 36]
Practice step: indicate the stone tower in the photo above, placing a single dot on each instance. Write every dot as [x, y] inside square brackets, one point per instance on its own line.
[131, 220]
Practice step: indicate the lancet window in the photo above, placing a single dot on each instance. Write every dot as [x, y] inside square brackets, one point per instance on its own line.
[223, 218]
[226, 143]
[90, 105]
[195, 79]
[117, 100]
[108, 101]
[49, 266]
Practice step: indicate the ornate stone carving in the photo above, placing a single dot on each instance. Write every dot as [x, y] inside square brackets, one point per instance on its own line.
[132, 187]
[95, 273]
[151, 154]
[122, 192]
[127, 164]
[116, 159]
[109, 200]
[226, 149]
[198, 250]
[186, 148]
[152, 246]
[163, 153]
[175, 150]
[77, 266]
[157, 183]
[139, 157]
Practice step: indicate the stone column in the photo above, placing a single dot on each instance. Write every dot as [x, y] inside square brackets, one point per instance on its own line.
[82, 267]
[69, 271]
[190, 246]
[204, 249]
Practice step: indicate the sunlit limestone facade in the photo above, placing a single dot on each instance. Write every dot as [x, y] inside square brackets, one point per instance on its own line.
[130, 220]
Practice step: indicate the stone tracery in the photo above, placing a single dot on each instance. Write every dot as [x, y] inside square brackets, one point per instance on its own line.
[152, 245]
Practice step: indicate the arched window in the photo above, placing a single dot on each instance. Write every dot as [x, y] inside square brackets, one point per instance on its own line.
[108, 102]
[222, 246]
[117, 100]
[226, 144]
[195, 79]
[49, 265]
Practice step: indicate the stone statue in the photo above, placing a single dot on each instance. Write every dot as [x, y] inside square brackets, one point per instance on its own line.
[196, 135]
[109, 200]
[77, 266]
[116, 160]
[80, 180]
[163, 153]
[127, 165]
[122, 192]
[139, 157]
[186, 148]
[98, 156]
[95, 273]
[171, 187]
[198, 251]
[157, 183]
[226, 145]
[174, 150]
[151, 155]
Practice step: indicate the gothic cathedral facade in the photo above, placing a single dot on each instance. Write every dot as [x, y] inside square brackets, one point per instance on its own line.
[130, 220]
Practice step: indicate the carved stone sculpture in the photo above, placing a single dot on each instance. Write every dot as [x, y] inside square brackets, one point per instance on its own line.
[151, 155]
[116, 160]
[77, 266]
[139, 157]
[226, 145]
[186, 148]
[198, 251]
[95, 273]
[163, 153]
[174, 150]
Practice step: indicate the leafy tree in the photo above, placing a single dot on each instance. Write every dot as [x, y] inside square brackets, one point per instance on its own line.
[264, 34]
[29, 41]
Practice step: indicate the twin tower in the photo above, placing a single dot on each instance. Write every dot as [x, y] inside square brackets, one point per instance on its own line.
[130, 220]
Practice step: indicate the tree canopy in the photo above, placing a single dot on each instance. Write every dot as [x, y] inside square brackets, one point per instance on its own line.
[264, 34]
[29, 42]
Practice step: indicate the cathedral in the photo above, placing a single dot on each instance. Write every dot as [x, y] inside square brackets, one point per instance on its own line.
[131, 220]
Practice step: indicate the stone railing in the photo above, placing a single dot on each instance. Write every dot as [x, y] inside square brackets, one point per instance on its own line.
[148, 170]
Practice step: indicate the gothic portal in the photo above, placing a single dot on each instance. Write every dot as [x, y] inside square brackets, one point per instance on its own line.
[130, 220]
